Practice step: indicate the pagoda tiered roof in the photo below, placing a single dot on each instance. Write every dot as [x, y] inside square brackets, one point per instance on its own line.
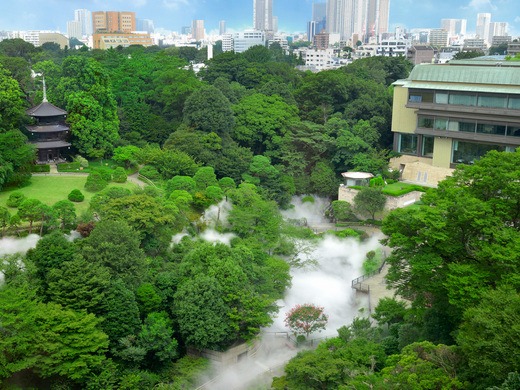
[45, 109]
[51, 128]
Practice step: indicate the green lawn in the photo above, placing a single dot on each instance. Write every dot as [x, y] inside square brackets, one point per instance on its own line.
[400, 188]
[50, 189]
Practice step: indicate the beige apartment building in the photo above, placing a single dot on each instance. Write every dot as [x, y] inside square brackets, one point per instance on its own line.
[444, 115]
[113, 21]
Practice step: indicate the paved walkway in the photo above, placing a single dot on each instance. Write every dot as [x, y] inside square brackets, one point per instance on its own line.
[377, 288]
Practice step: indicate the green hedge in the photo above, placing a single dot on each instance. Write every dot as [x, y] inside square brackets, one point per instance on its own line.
[41, 168]
[69, 167]
[402, 189]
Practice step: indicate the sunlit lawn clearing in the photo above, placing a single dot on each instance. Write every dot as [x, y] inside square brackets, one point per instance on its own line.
[51, 189]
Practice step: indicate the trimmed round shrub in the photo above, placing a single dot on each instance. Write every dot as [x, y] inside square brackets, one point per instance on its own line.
[106, 173]
[95, 182]
[119, 175]
[15, 199]
[76, 196]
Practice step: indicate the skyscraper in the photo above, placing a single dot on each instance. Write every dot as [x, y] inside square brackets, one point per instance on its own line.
[84, 16]
[74, 29]
[197, 30]
[263, 15]
[222, 27]
[454, 26]
[319, 16]
[364, 18]
[483, 23]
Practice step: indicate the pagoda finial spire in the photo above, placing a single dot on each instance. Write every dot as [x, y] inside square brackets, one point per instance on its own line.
[44, 91]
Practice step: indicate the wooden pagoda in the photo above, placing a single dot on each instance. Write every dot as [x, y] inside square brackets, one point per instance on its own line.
[50, 133]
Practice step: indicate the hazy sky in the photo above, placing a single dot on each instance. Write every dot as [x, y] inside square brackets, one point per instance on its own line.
[292, 14]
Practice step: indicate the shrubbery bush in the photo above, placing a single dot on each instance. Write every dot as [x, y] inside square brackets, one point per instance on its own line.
[69, 167]
[106, 173]
[76, 196]
[41, 168]
[95, 182]
[119, 175]
[15, 199]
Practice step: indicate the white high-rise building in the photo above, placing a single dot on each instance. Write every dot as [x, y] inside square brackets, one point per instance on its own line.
[222, 27]
[84, 16]
[74, 29]
[454, 26]
[483, 24]
[263, 15]
[497, 29]
[364, 18]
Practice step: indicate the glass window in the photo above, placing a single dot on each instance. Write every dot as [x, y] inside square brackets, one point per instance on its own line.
[453, 125]
[441, 98]
[420, 96]
[440, 124]
[463, 100]
[514, 103]
[407, 144]
[513, 131]
[469, 152]
[425, 122]
[468, 127]
[427, 146]
[486, 128]
[492, 101]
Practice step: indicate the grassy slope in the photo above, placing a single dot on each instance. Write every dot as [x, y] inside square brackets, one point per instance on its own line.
[50, 189]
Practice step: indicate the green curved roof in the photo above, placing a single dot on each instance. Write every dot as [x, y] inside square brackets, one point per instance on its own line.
[466, 74]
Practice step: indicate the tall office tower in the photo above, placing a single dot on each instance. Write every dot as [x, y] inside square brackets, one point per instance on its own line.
[378, 16]
[197, 30]
[84, 16]
[319, 16]
[311, 30]
[145, 25]
[364, 18]
[497, 29]
[340, 17]
[222, 27]
[454, 26]
[263, 15]
[275, 24]
[483, 23]
[74, 29]
[113, 21]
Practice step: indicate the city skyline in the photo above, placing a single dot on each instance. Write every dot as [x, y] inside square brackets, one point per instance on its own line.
[293, 15]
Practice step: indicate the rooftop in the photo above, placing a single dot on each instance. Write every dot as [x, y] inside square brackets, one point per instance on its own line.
[45, 109]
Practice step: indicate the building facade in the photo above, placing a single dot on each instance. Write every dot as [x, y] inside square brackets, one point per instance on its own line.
[113, 21]
[105, 41]
[246, 39]
[197, 30]
[84, 17]
[444, 115]
[263, 15]
[483, 25]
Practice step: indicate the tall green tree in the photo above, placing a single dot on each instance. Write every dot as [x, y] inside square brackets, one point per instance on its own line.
[446, 254]
[48, 339]
[489, 337]
[208, 110]
[369, 201]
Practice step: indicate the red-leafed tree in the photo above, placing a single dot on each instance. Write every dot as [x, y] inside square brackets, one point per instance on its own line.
[306, 319]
